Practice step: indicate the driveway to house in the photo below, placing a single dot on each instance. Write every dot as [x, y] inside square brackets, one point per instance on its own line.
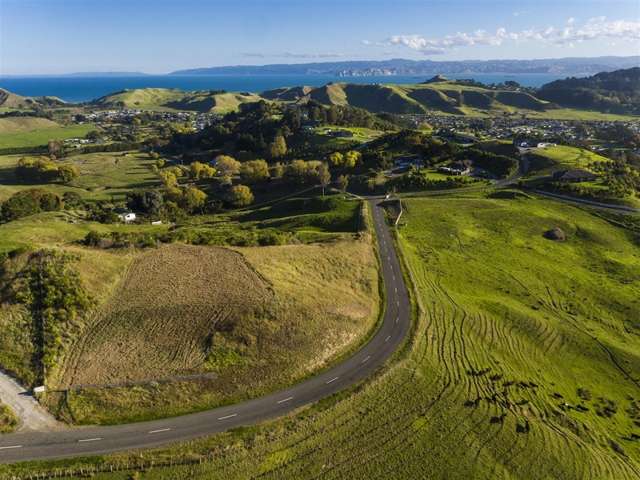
[33, 418]
[364, 363]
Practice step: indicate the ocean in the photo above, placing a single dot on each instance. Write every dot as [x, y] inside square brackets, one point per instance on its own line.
[82, 89]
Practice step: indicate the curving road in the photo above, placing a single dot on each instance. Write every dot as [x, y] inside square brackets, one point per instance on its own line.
[99, 440]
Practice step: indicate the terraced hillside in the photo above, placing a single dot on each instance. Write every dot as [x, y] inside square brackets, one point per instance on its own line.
[165, 99]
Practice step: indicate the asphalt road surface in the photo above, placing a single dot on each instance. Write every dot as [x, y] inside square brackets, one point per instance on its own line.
[99, 440]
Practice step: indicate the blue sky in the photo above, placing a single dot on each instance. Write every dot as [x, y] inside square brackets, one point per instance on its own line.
[156, 36]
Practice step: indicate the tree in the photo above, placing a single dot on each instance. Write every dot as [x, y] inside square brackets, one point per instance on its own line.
[227, 166]
[55, 149]
[93, 135]
[324, 176]
[343, 182]
[169, 179]
[352, 158]
[254, 171]
[336, 159]
[149, 201]
[240, 196]
[42, 169]
[297, 171]
[278, 148]
[277, 171]
[66, 173]
[193, 198]
[200, 170]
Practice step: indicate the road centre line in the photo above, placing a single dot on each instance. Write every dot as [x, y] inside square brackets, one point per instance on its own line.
[228, 416]
[285, 400]
[366, 359]
[332, 380]
[10, 447]
[159, 430]
[90, 439]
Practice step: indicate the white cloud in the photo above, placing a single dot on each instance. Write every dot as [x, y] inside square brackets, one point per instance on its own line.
[597, 28]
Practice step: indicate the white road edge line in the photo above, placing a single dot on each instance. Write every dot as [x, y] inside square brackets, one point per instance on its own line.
[366, 359]
[332, 380]
[90, 439]
[10, 446]
[159, 430]
[285, 400]
[228, 416]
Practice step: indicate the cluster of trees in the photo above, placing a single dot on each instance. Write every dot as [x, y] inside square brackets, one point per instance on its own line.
[29, 202]
[53, 291]
[377, 155]
[499, 165]
[42, 170]
[268, 130]
[309, 172]
[347, 160]
[345, 115]
[620, 177]
[415, 180]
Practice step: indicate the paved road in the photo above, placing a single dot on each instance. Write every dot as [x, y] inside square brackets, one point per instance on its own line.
[99, 440]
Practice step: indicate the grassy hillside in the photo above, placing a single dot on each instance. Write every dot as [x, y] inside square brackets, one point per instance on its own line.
[249, 317]
[249, 320]
[165, 99]
[13, 102]
[616, 92]
[550, 159]
[445, 96]
[103, 176]
[32, 132]
[524, 363]
[24, 124]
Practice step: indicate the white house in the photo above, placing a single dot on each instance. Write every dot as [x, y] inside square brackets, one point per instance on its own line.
[127, 217]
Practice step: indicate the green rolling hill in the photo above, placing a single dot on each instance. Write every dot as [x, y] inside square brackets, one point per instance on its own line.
[166, 99]
[12, 101]
[440, 95]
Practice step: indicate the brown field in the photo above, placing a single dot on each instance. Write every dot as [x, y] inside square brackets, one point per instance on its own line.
[256, 318]
[159, 322]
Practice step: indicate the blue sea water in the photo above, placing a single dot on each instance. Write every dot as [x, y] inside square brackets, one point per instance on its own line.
[82, 89]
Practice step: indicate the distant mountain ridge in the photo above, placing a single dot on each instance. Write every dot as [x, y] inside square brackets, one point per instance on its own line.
[565, 66]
